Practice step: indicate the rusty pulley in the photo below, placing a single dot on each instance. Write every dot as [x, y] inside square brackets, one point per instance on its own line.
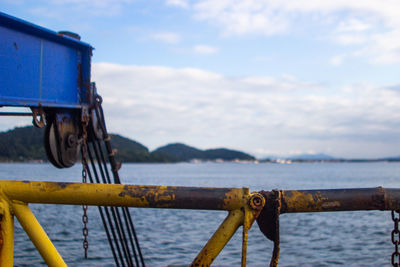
[61, 140]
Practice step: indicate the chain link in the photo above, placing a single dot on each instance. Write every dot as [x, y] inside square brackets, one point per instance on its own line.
[85, 218]
[396, 239]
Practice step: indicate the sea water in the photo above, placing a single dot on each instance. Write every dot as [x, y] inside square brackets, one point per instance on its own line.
[174, 237]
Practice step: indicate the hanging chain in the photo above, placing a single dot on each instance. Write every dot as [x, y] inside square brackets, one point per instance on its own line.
[396, 238]
[85, 218]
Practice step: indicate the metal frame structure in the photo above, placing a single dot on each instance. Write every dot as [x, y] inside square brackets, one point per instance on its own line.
[243, 208]
[50, 73]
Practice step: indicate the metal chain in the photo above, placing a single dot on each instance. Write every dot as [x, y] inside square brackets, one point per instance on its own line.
[396, 238]
[85, 218]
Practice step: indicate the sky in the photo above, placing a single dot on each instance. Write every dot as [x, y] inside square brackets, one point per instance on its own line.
[267, 77]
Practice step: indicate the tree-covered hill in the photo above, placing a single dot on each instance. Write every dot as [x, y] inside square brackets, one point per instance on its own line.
[22, 144]
[26, 144]
[226, 154]
[179, 152]
[182, 152]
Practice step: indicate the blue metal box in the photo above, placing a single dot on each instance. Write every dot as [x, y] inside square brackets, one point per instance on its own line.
[42, 68]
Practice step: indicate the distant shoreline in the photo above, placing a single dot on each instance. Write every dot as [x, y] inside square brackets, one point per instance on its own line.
[25, 144]
[228, 161]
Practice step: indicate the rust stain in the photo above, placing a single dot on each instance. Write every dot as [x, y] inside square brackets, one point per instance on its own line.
[331, 204]
[379, 200]
[161, 197]
[230, 197]
[62, 185]
[299, 201]
[79, 75]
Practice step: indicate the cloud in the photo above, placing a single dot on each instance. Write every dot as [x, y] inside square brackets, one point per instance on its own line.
[157, 105]
[178, 3]
[205, 49]
[353, 25]
[350, 39]
[167, 37]
[371, 25]
[337, 60]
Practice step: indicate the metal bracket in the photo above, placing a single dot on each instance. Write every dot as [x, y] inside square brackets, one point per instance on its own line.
[35, 113]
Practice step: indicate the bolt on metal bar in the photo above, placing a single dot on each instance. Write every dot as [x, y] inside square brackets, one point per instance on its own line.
[236, 200]
[205, 198]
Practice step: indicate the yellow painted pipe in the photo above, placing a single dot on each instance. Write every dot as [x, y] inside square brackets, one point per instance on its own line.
[252, 210]
[220, 238]
[144, 196]
[7, 234]
[37, 235]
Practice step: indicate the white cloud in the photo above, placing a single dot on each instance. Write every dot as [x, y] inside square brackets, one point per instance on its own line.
[157, 105]
[337, 60]
[371, 24]
[353, 25]
[350, 39]
[167, 37]
[178, 3]
[205, 49]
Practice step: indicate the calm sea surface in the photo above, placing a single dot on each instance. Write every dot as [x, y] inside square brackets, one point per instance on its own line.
[176, 236]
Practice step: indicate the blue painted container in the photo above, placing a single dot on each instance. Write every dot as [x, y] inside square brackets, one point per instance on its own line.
[42, 68]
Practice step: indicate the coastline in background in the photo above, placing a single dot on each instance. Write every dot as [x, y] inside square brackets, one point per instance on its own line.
[25, 144]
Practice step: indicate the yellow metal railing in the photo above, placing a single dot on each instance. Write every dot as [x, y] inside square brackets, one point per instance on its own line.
[243, 208]
[242, 205]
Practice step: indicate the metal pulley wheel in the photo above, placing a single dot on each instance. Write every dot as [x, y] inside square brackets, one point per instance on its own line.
[61, 140]
[97, 119]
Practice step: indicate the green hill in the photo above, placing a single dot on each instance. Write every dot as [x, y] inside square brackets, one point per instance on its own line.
[129, 150]
[182, 152]
[179, 152]
[22, 144]
[26, 144]
[226, 154]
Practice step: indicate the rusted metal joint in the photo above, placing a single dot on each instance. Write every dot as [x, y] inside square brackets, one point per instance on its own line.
[256, 201]
[113, 152]
[35, 113]
[85, 117]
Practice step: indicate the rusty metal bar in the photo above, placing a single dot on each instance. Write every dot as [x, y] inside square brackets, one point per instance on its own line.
[206, 198]
[174, 197]
[340, 200]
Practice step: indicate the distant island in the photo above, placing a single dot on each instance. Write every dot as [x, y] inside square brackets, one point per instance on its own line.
[25, 144]
[323, 158]
[182, 152]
